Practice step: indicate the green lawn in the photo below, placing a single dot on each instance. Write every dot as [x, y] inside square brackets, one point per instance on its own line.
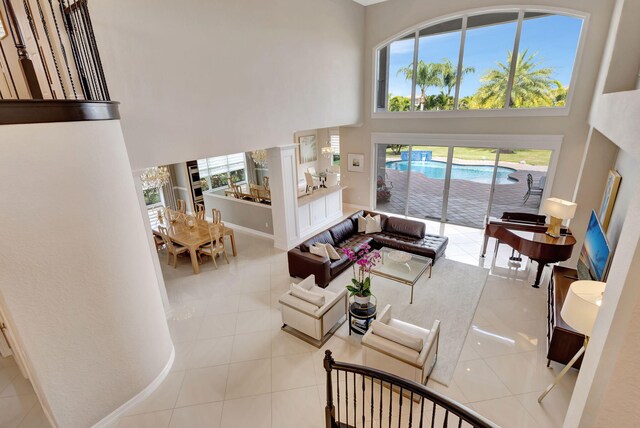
[531, 157]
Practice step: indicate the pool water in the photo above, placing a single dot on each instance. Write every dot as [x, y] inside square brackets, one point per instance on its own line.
[437, 169]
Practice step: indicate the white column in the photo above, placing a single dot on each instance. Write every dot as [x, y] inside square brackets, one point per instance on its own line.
[284, 195]
[78, 284]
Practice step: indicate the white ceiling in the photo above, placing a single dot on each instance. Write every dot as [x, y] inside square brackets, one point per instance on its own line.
[368, 2]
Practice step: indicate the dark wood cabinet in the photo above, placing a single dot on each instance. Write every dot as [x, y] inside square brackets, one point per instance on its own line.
[563, 342]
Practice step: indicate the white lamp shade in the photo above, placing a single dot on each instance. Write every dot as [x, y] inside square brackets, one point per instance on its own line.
[582, 304]
[559, 208]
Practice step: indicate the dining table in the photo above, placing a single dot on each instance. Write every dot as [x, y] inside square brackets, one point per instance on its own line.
[191, 237]
[263, 193]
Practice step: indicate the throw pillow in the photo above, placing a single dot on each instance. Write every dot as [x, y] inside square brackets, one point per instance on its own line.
[396, 335]
[308, 282]
[362, 224]
[373, 224]
[308, 296]
[333, 254]
[319, 250]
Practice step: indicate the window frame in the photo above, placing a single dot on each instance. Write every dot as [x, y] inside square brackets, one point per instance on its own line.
[228, 170]
[506, 111]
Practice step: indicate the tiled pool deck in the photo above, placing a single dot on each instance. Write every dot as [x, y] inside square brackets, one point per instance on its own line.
[468, 200]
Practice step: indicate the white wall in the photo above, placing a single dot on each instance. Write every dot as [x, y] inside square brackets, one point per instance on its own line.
[386, 19]
[197, 77]
[628, 169]
[78, 284]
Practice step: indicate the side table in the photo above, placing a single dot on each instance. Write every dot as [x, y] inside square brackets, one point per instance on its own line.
[361, 316]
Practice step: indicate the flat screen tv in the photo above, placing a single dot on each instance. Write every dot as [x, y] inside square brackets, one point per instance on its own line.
[595, 253]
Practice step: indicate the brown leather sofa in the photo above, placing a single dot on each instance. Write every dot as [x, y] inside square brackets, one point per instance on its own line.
[397, 233]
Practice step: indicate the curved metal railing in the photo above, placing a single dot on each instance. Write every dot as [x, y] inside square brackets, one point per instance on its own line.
[359, 396]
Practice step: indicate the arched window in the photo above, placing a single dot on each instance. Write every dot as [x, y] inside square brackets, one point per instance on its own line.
[489, 60]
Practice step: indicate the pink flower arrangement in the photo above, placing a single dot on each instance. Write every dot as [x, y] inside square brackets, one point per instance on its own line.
[365, 260]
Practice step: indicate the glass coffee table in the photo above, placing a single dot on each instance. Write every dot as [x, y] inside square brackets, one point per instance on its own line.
[407, 270]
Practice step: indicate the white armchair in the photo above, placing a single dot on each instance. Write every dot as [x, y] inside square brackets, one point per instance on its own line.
[401, 348]
[312, 313]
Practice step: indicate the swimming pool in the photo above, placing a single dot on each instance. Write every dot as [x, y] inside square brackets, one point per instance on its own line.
[437, 169]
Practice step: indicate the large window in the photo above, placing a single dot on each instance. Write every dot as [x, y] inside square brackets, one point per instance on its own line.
[334, 140]
[510, 59]
[215, 172]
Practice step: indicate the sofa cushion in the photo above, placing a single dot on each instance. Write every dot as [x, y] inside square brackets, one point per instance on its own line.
[306, 295]
[308, 283]
[356, 241]
[432, 246]
[338, 266]
[362, 224]
[342, 231]
[402, 226]
[322, 237]
[319, 250]
[372, 224]
[397, 335]
[383, 218]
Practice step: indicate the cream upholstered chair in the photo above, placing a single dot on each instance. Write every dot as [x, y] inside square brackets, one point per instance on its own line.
[311, 182]
[312, 313]
[172, 249]
[332, 179]
[216, 246]
[403, 349]
[182, 206]
[311, 170]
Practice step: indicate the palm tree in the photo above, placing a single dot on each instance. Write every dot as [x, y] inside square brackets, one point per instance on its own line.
[532, 86]
[449, 74]
[427, 74]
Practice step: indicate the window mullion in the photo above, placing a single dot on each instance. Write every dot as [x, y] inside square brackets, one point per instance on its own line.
[514, 60]
[415, 71]
[463, 35]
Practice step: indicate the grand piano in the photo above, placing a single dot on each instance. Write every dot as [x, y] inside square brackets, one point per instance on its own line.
[525, 233]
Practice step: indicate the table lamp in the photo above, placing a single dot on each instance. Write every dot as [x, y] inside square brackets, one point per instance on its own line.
[579, 310]
[558, 210]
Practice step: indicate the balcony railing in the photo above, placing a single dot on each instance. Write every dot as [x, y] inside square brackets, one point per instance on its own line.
[359, 396]
[48, 50]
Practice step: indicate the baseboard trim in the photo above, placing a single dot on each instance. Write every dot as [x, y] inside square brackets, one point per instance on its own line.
[141, 396]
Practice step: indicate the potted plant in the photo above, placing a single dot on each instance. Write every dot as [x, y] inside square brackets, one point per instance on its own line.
[363, 261]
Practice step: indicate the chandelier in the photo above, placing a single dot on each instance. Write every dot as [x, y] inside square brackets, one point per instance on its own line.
[327, 152]
[259, 157]
[155, 177]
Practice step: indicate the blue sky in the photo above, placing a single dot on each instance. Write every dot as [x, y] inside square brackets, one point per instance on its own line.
[554, 38]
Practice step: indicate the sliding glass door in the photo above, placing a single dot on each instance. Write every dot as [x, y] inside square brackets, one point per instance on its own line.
[459, 185]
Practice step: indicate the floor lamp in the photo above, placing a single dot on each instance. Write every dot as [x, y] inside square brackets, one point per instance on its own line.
[579, 310]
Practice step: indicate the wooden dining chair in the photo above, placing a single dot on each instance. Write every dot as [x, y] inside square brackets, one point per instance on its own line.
[216, 216]
[265, 182]
[182, 206]
[216, 246]
[199, 212]
[172, 249]
[256, 193]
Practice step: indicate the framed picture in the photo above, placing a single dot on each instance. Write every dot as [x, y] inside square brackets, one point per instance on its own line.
[308, 149]
[355, 162]
[609, 198]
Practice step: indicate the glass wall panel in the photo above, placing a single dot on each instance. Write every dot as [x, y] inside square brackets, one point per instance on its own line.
[391, 180]
[400, 74]
[437, 69]
[470, 185]
[489, 42]
[521, 179]
[546, 54]
[426, 188]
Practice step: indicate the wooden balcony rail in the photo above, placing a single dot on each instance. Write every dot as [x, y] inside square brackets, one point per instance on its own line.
[51, 53]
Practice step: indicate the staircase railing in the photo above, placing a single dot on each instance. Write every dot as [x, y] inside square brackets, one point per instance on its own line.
[359, 396]
[49, 52]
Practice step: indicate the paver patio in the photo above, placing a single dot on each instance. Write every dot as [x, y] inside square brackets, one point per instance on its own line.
[468, 200]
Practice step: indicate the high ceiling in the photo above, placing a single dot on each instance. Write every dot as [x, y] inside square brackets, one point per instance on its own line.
[368, 2]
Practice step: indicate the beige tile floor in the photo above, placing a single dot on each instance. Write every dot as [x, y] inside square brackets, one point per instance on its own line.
[235, 368]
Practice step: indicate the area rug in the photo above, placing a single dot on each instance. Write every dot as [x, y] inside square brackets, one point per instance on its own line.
[451, 295]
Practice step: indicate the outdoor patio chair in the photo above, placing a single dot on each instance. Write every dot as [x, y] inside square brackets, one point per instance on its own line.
[533, 190]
